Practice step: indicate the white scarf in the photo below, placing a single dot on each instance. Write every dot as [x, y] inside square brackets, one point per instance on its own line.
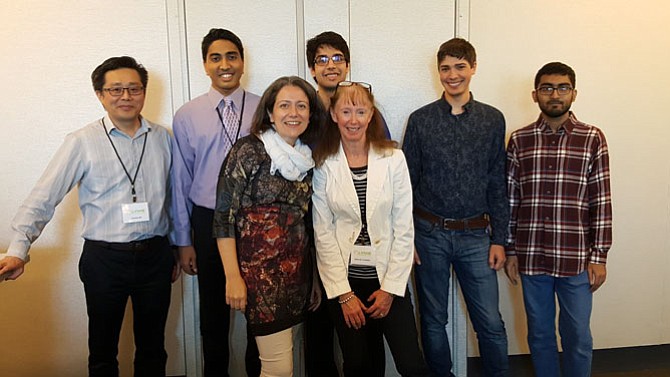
[292, 162]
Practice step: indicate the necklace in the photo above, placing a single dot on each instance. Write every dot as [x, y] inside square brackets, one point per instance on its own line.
[359, 174]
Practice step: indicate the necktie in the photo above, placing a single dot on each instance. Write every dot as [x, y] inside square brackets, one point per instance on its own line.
[230, 120]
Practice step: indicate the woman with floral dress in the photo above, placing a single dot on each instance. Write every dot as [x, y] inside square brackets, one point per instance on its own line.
[263, 193]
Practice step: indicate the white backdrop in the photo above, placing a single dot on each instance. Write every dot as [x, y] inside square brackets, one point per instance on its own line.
[618, 48]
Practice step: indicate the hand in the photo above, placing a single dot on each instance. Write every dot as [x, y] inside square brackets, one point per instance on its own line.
[12, 267]
[236, 293]
[381, 304]
[496, 257]
[512, 269]
[314, 297]
[352, 311]
[597, 275]
[417, 260]
[187, 259]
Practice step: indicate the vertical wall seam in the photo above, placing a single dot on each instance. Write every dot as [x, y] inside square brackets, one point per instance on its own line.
[462, 19]
[300, 37]
[179, 90]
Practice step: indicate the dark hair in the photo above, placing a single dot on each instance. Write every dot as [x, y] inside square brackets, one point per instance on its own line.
[458, 48]
[114, 63]
[375, 135]
[317, 114]
[217, 34]
[327, 38]
[556, 68]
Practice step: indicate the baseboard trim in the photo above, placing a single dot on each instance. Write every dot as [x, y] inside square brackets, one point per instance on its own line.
[611, 360]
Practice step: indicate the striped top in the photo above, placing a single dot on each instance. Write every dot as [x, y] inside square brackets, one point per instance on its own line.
[360, 178]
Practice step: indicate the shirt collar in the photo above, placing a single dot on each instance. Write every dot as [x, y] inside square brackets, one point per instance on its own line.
[467, 107]
[566, 127]
[215, 97]
[113, 130]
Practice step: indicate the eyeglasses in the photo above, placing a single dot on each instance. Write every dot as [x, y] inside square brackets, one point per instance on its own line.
[562, 90]
[117, 91]
[324, 59]
[363, 85]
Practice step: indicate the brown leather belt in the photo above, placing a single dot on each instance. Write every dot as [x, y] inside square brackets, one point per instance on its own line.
[141, 245]
[479, 222]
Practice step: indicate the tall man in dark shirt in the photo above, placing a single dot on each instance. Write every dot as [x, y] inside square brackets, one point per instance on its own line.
[561, 223]
[455, 150]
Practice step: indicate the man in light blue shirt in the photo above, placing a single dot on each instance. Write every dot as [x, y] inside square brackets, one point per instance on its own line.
[205, 128]
[121, 165]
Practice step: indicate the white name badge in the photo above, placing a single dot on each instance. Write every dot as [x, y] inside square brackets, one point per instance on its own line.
[135, 212]
[363, 256]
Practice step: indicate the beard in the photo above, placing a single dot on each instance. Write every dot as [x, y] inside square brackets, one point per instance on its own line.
[553, 111]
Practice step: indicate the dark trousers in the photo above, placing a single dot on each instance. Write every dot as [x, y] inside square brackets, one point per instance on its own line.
[110, 277]
[363, 349]
[214, 312]
[319, 338]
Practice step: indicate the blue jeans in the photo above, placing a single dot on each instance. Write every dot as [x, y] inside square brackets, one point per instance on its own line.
[467, 251]
[575, 300]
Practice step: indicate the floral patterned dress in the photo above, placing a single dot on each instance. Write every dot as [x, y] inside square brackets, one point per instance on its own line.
[265, 214]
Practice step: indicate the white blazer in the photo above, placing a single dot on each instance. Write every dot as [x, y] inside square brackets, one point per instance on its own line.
[337, 220]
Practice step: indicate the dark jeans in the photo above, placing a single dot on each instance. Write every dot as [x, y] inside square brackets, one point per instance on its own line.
[214, 312]
[363, 349]
[110, 277]
[319, 341]
[468, 252]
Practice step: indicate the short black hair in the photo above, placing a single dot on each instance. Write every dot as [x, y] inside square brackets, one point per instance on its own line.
[114, 63]
[217, 34]
[327, 38]
[556, 68]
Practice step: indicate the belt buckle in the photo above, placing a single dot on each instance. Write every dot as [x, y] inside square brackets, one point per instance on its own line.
[138, 245]
[446, 224]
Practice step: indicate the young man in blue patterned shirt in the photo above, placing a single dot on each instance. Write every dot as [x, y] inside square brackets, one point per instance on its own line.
[455, 150]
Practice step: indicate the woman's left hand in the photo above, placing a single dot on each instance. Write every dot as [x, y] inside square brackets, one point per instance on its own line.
[381, 304]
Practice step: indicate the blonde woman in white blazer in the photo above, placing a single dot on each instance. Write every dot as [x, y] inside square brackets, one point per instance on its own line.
[364, 235]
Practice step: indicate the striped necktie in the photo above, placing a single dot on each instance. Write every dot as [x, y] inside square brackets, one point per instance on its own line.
[230, 120]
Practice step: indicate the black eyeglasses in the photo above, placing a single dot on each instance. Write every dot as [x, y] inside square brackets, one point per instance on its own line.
[117, 91]
[363, 85]
[562, 90]
[324, 59]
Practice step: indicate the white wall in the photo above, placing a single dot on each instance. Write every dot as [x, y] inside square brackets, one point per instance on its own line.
[48, 51]
[618, 48]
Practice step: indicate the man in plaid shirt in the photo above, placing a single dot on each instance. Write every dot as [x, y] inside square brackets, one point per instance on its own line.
[561, 223]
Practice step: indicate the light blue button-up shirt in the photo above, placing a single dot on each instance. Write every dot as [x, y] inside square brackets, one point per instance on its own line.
[87, 160]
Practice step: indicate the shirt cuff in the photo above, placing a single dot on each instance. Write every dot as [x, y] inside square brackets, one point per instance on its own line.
[598, 256]
[181, 238]
[510, 251]
[19, 251]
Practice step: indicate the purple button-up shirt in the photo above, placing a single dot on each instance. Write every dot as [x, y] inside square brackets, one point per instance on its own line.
[200, 146]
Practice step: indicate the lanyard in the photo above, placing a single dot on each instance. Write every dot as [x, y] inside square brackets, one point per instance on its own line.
[239, 123]
[132, 180]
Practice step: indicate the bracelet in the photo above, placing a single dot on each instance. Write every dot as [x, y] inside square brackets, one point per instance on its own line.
[346, 299]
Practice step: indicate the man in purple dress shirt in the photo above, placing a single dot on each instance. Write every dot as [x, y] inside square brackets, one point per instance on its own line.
[204, 131]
